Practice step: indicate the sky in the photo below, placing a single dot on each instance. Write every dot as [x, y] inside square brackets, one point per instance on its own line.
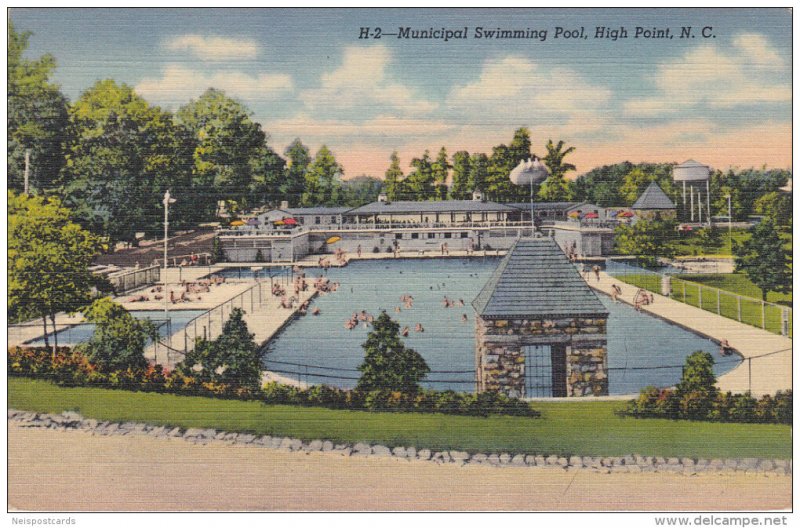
[723, 100]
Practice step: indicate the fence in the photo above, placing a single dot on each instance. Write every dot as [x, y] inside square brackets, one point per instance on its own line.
[772, 317]
[131, 280]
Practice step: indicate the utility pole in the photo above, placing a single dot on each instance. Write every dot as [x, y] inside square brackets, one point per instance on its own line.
[167, 200]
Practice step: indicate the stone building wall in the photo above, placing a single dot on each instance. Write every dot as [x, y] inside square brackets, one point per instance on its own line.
[500, 355]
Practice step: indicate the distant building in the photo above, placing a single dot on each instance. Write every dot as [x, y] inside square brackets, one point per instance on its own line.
[653, 204]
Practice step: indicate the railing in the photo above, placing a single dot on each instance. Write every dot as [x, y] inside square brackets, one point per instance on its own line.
[131, 280]
[203, 259]
[769, 316]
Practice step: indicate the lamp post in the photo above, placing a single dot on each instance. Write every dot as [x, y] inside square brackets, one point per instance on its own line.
[168, 199]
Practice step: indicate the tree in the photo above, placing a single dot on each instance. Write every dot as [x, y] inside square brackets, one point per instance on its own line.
[556, 189]
[37, 117]
[697, 389]
[393, 180]
[48, 260]
[478, 171]
[463, 185]
[322, 179]
[388, 364]
[554, 160]
[497, 182]
[360, 190]
[419, 184]
[294, 183]
[777, 206]
[440, 169]
[764, 259]
[647, 240]
[232, 359]
[119, 339]
[634, 184]
[520, 147]
[269, 178]
[228, 147]
[123, 156]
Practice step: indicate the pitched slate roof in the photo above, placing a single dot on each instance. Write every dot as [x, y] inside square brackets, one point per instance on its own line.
[653, 198]
[317, 210]
[550, 206]
[442, 206]
[536, 279]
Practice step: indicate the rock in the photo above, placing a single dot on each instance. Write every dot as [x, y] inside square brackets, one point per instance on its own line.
[530, 460]
[262, 441]
[424, 454]
[672, 461]
[518, 460]
[276, 442]
[459, 457]
[174, 432]
[494, 459]
[633, 468]
[344, 451]
[628, 460]
[575, 461]
[286, 443]
[505, 458]
[327, 445]
[478, 458]
[747, 464]
[563, 462]
[766, 465]
[399, 452]
[381, 451]
[11, 413]
[129, 426]
[731, 463]
[660, 461]
[540, 460]
[314, 445]
[90, 423]
[245, 438]
[716, 464]
[361, 449]
[552, 460]
[221, 435]
[411, 452]
[296, 444]
[687, 462]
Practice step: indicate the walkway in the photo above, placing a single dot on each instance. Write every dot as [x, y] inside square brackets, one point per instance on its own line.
[770, 368]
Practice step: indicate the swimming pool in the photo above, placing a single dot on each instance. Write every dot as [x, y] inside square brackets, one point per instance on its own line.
[642, 350]
[81, 333]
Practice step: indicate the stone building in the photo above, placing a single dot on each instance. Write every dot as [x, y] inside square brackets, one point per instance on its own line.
[654, 204]
[540, 329]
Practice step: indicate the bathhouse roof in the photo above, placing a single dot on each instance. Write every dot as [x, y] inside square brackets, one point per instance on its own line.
[536, 279]
[317, 210]
[549, 206]
[653, 198]
[442, 206]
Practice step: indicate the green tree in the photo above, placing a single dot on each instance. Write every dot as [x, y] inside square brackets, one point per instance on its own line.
[520, 147]
[556, 189]
[322, 179]
[440, 170]
[388, 365]
[697, 389]
[294, 184]
[232, 359]
[123, 156]
[777, 206]
[463, 185]
[119, 338]
[36, 117]
[647, 240]
[497, 182]
[634, 184]
[228, 147]
[360, 190]
[419, 184]
[269, 176]
[478, 171]
[48, 260]
[393, 179]
[764, 259]
[554, 160]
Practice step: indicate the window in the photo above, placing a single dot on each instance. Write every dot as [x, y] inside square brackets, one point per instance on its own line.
[448, 235]
[464, 234]
[302, 220]
[316, 220]
[333, 219]
[414, 236]
[398, 236]
[431, 235]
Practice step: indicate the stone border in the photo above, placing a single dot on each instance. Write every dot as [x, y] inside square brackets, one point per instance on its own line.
[69, 420]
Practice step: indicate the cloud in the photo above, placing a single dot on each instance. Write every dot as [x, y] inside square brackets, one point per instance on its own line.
[378, 129]
[516, 86]
[706, 77]
[214, 48]
[362, 83]
[178, 84]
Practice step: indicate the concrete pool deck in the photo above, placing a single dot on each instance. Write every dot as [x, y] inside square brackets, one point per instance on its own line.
[767, 365]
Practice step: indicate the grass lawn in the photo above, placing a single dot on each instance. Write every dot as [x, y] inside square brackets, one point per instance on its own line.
[688, 289]
[584, 428]
[691, 244]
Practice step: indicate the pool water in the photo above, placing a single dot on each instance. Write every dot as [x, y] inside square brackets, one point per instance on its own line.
[83, 332]
[642, 350]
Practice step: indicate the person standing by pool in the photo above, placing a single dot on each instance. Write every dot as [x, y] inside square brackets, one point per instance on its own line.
[596, 270]
[358, 251]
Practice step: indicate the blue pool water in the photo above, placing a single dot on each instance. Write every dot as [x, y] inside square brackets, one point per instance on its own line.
[83, 332]
[636, 342]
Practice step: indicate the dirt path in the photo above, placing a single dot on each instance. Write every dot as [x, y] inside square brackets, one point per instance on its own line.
[72, 470]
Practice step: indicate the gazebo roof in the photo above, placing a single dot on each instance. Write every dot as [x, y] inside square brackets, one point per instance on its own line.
[536, 279]
[653, 198]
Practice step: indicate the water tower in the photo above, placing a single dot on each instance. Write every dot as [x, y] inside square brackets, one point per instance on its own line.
[527, 173]
[694, 175]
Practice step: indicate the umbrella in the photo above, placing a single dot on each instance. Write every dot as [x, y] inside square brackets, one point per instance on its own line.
[289, 221]
[333, 240]
[278, 222]
[625, 214]
[237, 223]
[591, 215]
[574, 214]
[612, 214]
[253, 222]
